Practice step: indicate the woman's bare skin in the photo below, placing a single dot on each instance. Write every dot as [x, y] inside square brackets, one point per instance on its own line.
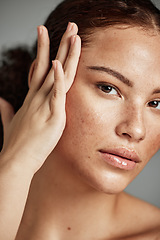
[129, 219]
[22, 154]
[62, 213]
[72, 198]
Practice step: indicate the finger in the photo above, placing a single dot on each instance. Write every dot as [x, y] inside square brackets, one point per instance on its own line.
[63, 50]
[48, 83]
[7, 113]
[31, 73]
[54, 104]
[57, 94]
[41, 66]
[71, 64]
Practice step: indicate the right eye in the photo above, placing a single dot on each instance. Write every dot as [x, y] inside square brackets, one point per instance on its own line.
[154, 104]
[107, 88]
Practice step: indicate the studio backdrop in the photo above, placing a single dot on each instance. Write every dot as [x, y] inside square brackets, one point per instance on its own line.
[18, 22]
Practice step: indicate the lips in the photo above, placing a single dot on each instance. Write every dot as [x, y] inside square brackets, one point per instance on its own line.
[122, 158]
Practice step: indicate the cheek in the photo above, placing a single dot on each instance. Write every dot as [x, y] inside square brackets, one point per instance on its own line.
[153, 142]
[88, 120]
[81, 126]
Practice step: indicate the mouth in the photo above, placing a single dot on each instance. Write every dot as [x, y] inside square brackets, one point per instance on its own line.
[122, 158]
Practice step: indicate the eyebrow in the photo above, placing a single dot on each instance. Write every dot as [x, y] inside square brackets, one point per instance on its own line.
[156, 91]
[113, 73]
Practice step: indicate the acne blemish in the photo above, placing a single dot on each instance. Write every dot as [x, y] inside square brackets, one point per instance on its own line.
[68, 228]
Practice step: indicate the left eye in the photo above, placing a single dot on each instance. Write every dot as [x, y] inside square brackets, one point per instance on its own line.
[107, 89]
[154, 104]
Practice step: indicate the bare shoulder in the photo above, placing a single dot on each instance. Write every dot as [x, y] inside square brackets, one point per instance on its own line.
[144, 218]
[142, 209]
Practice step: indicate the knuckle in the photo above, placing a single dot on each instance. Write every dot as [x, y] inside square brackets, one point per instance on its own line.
[39, 64]
[57, 108]
[57, 92]
[71, 54]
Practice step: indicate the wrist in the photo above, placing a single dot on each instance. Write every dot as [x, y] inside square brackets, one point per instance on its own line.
[8, 162]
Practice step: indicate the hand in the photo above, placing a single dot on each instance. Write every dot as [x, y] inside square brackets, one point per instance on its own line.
[32, 133]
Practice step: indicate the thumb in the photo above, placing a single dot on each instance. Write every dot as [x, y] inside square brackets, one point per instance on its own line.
[6, 112]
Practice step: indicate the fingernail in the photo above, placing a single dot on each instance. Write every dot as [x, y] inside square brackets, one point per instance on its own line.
[73, 39]
[40, 30]
[69, 27]
[54, 64]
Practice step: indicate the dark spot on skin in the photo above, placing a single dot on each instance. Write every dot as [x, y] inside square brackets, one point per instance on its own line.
[69, 228]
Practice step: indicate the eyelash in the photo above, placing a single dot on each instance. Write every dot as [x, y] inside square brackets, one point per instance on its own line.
[110, 87]
[156, 102]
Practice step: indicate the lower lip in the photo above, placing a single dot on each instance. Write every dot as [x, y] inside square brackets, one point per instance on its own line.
[118, 162]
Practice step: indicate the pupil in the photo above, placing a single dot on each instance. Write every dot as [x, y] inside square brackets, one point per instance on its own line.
[107, 88]
[154, 103]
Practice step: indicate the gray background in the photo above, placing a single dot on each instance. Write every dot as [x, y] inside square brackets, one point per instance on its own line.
[18, 22]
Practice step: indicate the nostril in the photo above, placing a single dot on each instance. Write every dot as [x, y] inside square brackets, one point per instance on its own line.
[126, 134]
[131, 130]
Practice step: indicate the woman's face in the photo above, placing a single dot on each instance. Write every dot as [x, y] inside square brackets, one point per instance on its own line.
[113, 108]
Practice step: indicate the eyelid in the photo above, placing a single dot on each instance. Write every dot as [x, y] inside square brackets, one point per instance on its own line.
[108, 84]
[154, 100]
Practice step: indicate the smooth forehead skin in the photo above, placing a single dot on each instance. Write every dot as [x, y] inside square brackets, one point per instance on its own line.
[97, 121]
[138, 52]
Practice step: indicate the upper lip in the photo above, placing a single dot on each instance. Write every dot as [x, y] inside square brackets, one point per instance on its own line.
[123, 152]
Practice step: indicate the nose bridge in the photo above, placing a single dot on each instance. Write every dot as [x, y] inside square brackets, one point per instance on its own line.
[132, 125]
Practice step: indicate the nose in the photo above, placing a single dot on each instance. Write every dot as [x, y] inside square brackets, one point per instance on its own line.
[132, 125]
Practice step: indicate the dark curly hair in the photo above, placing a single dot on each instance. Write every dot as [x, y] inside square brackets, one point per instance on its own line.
[88, 15]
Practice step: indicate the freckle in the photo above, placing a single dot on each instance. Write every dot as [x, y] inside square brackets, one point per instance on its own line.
[82, 120]
[69, 228]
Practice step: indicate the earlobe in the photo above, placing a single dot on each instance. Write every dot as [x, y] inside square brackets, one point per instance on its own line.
[30, 75]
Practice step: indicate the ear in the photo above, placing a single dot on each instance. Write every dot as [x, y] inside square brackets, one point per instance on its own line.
[31, 70]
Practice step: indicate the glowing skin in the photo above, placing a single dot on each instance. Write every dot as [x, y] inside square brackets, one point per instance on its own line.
[125, 116]
[111, 118]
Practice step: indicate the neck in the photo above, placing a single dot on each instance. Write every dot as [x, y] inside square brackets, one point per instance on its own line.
[60, 198]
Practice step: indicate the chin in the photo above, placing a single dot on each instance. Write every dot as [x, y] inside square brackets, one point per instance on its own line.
[92, 173]
[110, 188]
[106, 182]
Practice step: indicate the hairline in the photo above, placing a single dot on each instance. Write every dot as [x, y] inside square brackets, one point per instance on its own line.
[150, 29]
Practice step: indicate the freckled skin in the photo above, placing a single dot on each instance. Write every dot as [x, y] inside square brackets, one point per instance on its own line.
[63, 202]
[96, 121]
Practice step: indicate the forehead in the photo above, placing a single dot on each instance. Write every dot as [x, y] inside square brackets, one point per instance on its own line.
[128, 39]
[132, 50]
